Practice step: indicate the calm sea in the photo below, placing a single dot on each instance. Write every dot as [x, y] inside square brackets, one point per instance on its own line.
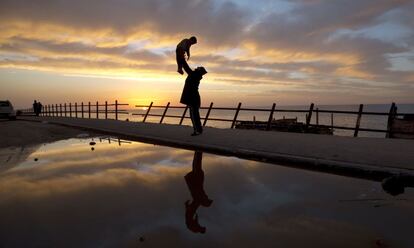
[347, 120]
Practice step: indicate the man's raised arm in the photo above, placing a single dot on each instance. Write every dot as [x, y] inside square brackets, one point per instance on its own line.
[187, 68]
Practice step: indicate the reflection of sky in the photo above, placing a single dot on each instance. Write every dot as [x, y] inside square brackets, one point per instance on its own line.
[109, 197]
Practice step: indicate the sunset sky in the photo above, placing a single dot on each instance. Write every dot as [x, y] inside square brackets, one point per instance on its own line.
[256, 52]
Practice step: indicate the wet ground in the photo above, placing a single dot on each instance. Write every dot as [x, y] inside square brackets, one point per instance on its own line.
[105, 192]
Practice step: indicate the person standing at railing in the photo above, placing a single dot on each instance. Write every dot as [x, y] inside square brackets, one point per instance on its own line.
[191, 97]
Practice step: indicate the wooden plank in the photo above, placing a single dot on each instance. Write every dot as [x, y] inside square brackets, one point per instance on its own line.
[165, 111]
[183, 116]
[70, 109]
[358, 121]
[317, 116]
[82, 109]
[309, 116]
[97, 110]
[60, 108]
[269, 121]
[89, 110]
[391, 116]
[76, 110]
[146, 114]
[106, 110]
[116, 109]
[235, 116]
[65, 109]
[208, 114]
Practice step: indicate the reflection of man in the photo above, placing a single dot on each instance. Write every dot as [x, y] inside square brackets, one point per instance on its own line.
[195, 181]
[191, 97]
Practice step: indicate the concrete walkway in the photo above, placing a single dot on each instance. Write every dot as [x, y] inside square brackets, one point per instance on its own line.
[370, 158]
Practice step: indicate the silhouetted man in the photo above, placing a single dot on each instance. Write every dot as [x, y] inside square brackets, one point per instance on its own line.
[191, 97]
[195, 181]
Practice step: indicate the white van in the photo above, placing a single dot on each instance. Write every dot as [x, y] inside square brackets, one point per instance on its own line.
[6, 110]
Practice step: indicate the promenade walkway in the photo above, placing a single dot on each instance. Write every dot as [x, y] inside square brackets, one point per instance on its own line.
[370, 158]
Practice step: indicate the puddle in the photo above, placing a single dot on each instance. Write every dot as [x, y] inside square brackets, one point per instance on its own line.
[130, 194]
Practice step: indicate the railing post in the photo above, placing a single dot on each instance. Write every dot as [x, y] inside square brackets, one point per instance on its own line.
[208, 114]
[116, 109]
[82, 109]
[89, 110]
[70, 109]
[165, 111]
[97, 110]
[309, 116]
[148, 110]
[106, 110]
[317, 116]
[391, 116]
[65, 109]
[53, 111]
[269, 122]
[183, 116]
[358, 121]
[76, 110]
[235, 115]
[56, 110]
[60, 107]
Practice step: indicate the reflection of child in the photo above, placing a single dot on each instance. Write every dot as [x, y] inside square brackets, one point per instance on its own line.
[182, 48]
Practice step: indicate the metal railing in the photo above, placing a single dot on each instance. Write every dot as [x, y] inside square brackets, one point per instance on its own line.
[82, 110]
[391, 115]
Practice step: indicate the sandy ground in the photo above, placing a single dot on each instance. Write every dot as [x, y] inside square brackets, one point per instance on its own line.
[27, 133]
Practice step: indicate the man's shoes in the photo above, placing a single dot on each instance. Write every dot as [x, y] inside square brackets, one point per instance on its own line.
[180, 71]
[195, 134]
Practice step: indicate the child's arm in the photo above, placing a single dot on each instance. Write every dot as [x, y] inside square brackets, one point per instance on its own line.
[188, 53]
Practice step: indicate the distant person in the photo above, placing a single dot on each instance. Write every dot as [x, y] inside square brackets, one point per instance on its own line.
[39, 108]
[182, 48]
[195, 183]
[35, 107]
[191, 97]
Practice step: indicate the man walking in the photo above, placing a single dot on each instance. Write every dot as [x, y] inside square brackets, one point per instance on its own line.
[191, 97]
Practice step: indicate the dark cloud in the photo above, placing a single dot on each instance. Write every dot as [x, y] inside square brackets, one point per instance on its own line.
[216, 24]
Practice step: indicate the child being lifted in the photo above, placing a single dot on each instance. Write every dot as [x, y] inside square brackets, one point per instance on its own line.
[182, 48]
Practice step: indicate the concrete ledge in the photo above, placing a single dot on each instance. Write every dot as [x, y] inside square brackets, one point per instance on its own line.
[368, 158]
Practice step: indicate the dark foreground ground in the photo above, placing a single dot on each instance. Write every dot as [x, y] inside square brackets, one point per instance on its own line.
[25, 133]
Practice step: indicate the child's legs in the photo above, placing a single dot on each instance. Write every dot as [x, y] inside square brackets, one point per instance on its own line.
[180, 58]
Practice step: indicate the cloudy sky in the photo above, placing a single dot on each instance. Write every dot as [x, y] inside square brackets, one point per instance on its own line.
[256, 52]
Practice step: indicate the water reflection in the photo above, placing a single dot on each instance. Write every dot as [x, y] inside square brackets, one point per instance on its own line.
[195, 183]
[133, 196]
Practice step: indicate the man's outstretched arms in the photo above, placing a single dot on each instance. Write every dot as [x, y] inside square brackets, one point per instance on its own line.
[187, 68]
